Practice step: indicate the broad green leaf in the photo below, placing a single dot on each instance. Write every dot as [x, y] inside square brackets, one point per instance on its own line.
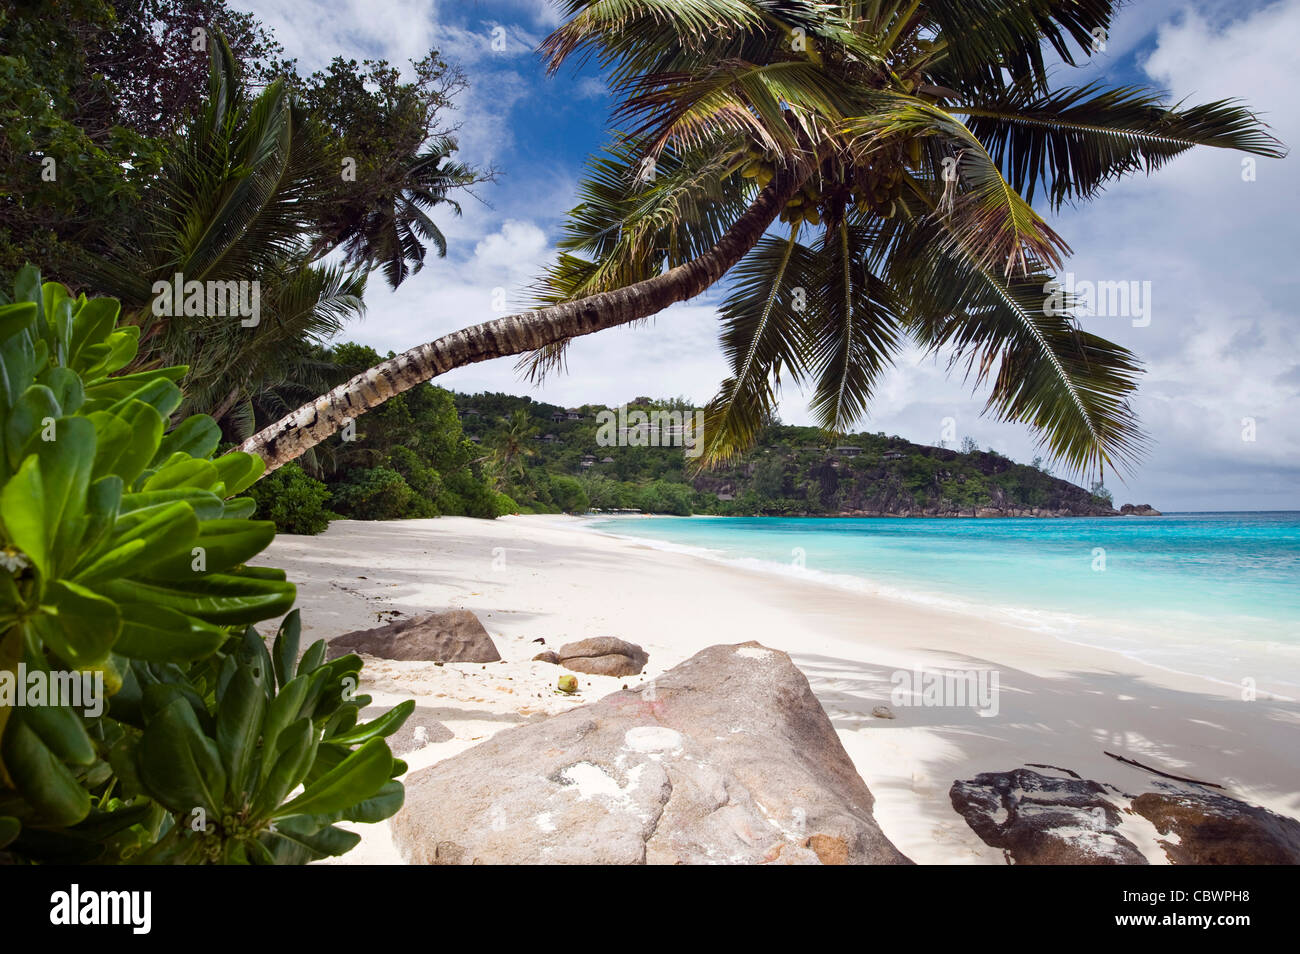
[197, 436]
[128, 439]
[290, 757]
[378, 728]
[179, 765]
[91, 324]
[284, 652]
[221, 545]
[356, 778]
[142, 386]
[240, 508]
[183, 472]
[59, 727]
[16, 317]
[239, 724]
[383, 804]
[122, 347]
[206, 505]
[223, 599]
[27, 419]
[78, 624]
[42, 504]
[239, 471]
[295, 842]
[66, 387]
[41, 778]
[283, 710]
[158, 634]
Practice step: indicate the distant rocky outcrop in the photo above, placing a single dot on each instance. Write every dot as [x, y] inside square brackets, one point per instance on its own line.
[890, 477]
[1042, 819]
[1139, 510]
[448, 637]
[726, 758]
[603, 656]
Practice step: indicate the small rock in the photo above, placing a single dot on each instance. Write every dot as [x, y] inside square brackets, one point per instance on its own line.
[1040, 819]
[1205, 828]
[453, 636]
[547, 657]
[882, 712]
[603, 656]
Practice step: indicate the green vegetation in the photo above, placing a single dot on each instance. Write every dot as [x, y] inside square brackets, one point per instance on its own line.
[173, 138]
[559, 464]
[293, 500]
[125, 573]
[406, 459]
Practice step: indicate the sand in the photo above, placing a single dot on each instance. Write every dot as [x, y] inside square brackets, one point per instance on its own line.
[537, 582]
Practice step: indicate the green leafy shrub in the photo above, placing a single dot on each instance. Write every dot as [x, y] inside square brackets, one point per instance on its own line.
[125, 550]
[421, 478]
[466, 495]
[375, 493]
[293, 500]
[568, 494]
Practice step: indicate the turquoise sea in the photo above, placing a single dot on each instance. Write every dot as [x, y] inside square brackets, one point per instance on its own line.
[1215, 594]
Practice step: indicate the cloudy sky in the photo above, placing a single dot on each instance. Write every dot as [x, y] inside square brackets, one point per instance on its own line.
[1217, 247]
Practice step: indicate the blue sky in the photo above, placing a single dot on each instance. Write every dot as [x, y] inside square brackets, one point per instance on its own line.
[1218, 251]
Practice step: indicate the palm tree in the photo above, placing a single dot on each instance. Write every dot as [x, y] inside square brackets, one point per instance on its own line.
[511, 445]
[901, 143]
[392, 233]
[238, 200]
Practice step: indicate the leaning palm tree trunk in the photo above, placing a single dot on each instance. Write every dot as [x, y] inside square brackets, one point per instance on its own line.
[312, 423]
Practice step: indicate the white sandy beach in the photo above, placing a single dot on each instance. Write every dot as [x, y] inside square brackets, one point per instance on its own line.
[531, 578]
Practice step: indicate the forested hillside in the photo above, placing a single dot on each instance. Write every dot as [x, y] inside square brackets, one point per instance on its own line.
[547, 457]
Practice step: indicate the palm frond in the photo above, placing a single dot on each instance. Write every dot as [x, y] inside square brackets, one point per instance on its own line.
[764, 330]
[853, 323]
[1069, 386]
[1070, 142]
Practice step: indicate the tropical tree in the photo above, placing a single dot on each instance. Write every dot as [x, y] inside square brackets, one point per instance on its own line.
[237, 202]
[902, 144]
[512, 444]
[397, 149]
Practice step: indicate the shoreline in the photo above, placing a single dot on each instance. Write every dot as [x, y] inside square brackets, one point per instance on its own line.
[545, 577]
[1055, 624]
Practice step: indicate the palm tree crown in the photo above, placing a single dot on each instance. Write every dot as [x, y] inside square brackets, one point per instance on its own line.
[909, 140]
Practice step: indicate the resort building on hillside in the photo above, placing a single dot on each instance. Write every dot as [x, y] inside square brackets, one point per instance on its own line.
[847, 450]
